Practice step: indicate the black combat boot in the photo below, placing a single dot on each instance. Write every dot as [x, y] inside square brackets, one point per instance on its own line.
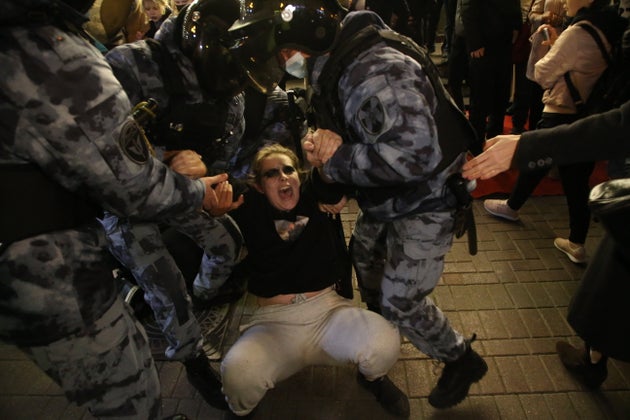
[202, 377]
[579, 363]
[456, 378]
[391, 398]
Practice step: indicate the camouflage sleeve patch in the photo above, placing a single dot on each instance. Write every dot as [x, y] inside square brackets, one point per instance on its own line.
[132, 143]
[371, 103]
[371, 115]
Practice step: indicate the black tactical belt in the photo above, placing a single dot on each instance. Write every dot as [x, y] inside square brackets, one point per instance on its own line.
[33, 204]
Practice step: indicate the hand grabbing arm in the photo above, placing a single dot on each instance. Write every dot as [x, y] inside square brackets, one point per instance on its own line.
[496, 158]
[320, 145]
[219, 195]
[188, 163]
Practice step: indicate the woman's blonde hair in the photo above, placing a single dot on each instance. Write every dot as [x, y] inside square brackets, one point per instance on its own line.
[255, 175]
[166, 4]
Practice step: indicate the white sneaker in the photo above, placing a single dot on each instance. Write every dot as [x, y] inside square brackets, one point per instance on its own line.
[501, 209]
[575, 252]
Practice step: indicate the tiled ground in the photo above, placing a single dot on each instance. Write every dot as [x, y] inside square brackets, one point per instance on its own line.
[513, 294]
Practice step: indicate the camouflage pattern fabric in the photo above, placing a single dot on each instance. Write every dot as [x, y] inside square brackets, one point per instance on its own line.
[138, 70]
[87, 367]
[398, 265]
[389, 155]
[54, 285]
[223, 245]
[391, 149]
[64, 111]
[140, 247]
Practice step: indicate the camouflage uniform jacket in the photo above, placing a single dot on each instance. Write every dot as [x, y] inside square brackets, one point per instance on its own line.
[64, 113]
[81, 136]
[390, 148]
[138, 70]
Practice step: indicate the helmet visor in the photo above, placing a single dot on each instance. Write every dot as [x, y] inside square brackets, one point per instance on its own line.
[218, 71]
[256, 49]
[260, 36]
[204, 40]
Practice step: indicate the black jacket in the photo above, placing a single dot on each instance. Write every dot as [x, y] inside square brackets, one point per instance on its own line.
[598, 137]
[306, 264]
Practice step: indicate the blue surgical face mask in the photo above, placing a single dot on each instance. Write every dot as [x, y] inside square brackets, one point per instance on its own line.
[296, 65]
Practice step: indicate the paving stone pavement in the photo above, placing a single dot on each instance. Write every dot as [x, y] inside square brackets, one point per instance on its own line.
[514, 294]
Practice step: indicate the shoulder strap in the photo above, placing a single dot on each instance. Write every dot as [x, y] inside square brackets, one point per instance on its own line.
[255, 104]
[327, 103]
[598, 40]
[407, 45]
[171, 75]
[454, 130]
[575, 94]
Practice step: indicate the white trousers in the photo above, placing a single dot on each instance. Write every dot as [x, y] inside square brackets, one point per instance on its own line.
[281, 340]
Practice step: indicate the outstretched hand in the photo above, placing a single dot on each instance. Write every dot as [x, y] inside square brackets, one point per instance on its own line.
[496, 158]
[219, 195]
[320, 145]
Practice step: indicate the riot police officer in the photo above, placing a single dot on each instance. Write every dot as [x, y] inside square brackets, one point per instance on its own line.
[197, 123]
[69, 147]
[379, 120]
[198, 129]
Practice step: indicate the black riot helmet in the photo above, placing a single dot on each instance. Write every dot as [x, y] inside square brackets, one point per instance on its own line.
[266, 26]
[205, 41]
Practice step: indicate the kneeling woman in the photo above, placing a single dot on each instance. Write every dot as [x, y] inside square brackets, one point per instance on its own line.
[300, 319]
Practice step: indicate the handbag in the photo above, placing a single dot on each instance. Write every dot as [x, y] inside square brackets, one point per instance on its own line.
[598, 311]
[610, 204]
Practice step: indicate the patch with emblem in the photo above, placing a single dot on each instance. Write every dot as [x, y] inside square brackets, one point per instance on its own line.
[372, 115]
[132, 143]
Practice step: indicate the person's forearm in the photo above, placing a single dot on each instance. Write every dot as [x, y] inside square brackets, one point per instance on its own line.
[598, 137]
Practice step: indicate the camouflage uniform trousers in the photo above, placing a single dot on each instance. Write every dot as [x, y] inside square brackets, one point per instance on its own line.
[103, 363]
[398, 265]
[140, 248]
[60, 305]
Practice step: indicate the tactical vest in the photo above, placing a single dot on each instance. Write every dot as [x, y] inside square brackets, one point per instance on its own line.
[180, 125]
[455, 133]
